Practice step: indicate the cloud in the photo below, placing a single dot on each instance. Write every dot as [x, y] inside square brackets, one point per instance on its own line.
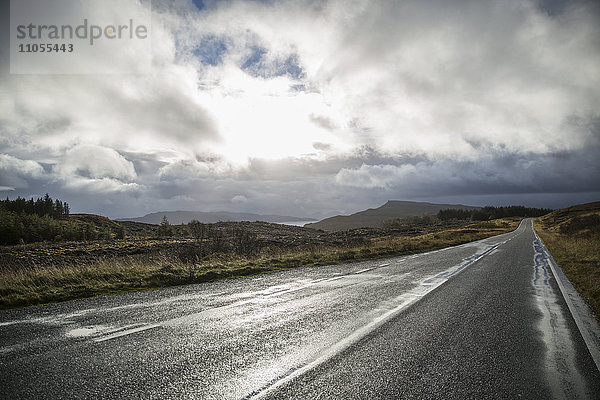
[196, 168]
[374, 176]
[123, 111]
[30, 168]
[101, 186]
[95, 162]
[427, 76]
[322, 122]
[494, 172]
[240, 198]
[16, 173]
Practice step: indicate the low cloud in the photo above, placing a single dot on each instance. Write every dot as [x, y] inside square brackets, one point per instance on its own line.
[239, 199]
[102, 187]
[19, 174]
[95, 162]
[374, 176]
[493, 173]
[10, 164]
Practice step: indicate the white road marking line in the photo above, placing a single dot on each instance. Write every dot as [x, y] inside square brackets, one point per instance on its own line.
[369, 269]
[126, 332]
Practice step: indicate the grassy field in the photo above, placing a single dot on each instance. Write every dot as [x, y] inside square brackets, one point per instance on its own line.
[62, 279]
[572, 235]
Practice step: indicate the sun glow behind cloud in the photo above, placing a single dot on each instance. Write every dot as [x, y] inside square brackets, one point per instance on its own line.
[268, 119]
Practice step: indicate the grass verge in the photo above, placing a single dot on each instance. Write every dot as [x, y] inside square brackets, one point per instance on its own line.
[573, 239]
[45, 284]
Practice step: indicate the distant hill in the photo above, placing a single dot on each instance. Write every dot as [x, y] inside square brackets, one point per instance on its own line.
[373, 217]
[98, 221]
[183, 217]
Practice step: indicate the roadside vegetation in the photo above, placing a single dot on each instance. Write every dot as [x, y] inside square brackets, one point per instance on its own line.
[572, 235]
[159, 256]
[491, 212]
[45, 219]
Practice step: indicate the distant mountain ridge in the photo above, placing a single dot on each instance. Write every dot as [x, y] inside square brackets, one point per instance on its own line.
[374, 217]
[183, 217]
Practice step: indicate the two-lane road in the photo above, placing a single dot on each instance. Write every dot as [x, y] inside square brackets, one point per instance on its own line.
[481, 320]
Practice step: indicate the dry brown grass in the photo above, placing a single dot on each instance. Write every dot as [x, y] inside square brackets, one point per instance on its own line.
[572, 236]
[43, 284]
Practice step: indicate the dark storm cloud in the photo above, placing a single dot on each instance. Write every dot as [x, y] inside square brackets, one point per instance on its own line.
[492, 173]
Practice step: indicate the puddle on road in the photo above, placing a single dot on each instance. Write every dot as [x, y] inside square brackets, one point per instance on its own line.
[105, 332]
[563, 376]
[86, 331]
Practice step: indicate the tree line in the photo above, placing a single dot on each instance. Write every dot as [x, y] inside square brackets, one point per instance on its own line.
[28, 221]
[40, 207]
[29, 228]
[491, 212]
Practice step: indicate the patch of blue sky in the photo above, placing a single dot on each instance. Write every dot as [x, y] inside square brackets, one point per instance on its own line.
[261, 64]
[552, 7]
[256, 61]
[293, 68]
[300, 87]
[211, 50]
[200, 4]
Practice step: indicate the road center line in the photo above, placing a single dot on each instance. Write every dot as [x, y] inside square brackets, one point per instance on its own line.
[126, 332]
[364, 270]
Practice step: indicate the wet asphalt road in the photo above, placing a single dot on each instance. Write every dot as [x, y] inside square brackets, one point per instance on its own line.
[482, 320]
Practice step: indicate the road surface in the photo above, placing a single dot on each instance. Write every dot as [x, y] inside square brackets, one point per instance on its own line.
[481, 320]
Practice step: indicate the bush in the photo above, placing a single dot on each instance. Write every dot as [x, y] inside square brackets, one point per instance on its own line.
[245, 243]
[165, 229]
[121, 232]
[579, 224]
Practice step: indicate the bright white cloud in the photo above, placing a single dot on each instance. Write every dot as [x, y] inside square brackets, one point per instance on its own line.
[16, 173]
[30, 168]
[196, 168]
[95, 162]
[100, 186]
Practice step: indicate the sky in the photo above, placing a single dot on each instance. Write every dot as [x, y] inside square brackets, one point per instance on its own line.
[315, 108]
